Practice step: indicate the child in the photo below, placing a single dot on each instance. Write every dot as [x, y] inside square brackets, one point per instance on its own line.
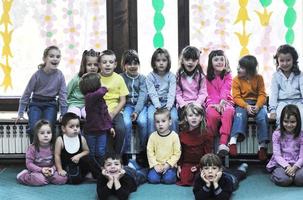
[117, 180]
[98, 122]
[220, 110]
[161, 88]
[287, 159]
[71, 150]
[115, 98]
[214, 182]
[195, 142]
[42, 90]
[135, 109]
[249, 96]
[191, 84]
[163, 150]
[287, 82]
[75, 98]
[39, 159]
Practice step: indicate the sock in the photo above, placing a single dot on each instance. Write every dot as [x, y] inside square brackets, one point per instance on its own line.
[233, 140]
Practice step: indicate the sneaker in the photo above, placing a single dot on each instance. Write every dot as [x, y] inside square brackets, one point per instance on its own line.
[243, 167]
[222, 150]
[262, 154]
[133, 164]
[21, 173]
[233, 150]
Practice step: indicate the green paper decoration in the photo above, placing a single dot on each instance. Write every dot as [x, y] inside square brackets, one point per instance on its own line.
[265, 3]
[290, 3]
[290, 36]
[159, 22]
[290, 18]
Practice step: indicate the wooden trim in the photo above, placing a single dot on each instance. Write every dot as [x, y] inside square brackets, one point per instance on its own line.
[183, 24]
[9, 103]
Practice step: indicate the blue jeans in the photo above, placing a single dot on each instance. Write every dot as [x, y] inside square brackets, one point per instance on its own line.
[97, 146]
[41, 110]
[240, 123]
[169, 177]
[141, 123]
[150, 118]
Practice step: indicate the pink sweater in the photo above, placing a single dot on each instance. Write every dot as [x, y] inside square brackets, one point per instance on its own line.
[188, 92]
[218, 89]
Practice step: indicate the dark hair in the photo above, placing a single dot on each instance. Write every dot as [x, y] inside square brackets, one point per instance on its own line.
[129, 57]
[162, 110]
[45, 53]
[107, 53]
[90, 82]
[113, 156]
[210, 68]
[85, 54]
[249, 63]
[210, 159]
[284, 49]
[67, 117]
[198, 110]
[154, 58]
[37, 127]
[290, 110]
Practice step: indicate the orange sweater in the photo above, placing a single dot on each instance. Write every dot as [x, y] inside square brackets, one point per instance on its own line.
[252, 89]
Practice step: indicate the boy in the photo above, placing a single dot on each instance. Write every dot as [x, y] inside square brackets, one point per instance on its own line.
[116, 180]
[115, 98]
[163, 150]
[213, 182]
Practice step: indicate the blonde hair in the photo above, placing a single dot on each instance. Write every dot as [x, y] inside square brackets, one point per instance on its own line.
[196, 109]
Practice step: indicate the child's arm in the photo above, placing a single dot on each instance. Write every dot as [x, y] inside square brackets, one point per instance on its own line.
[127, 185]
[152, 92]
[63, 96]
[72, 84]
[201, 191]
[299, 162]
[171, 96]
[30, 158]
[277, 152]
[202, 93]
[273, 100]
[58, 149]
[119, 107]
[142, 95]
[261, 100]
[176, 151]
[225, 92]
[223, 191]
[85, 151]
[179, 92]
[103, 189]
[150, 150]
[236, 93]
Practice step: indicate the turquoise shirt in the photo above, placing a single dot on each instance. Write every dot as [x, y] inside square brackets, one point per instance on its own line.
[75, 98]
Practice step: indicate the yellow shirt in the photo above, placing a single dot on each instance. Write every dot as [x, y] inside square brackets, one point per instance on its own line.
[162, 149]
[116, 88]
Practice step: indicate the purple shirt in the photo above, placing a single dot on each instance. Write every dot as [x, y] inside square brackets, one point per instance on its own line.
[218, 89]
[286, 151]
[36, 160]
[97, 116]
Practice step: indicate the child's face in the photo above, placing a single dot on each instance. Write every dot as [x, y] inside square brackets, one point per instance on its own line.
[112, 166]
[72, 128]
[92, 64]
[242, 72]
[162, 123]
[52, 59]
[218, 63]
[190, 64]
[132, 69]
[290, 123]
[285, 62]
[210, 172]
[193, 119]
[161, 63]
[108, 65]
[45, 135]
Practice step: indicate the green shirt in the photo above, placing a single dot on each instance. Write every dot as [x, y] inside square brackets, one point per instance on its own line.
[75, 98]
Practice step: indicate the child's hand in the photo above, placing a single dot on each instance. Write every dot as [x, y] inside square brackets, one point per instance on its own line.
[178, 171]
[112, 115]
[193, 169]
[250, 110]
[107, 175]
[62, 172]
[223, 103]
[75, 158]
[119, 175]
[166, 166]
[218, 176]
[291, 170]
[203, 176]
[217, 107]
[47, 171]
[158, 168]
[134, 116]
[112, 132]
[273, 115]
[255, 109]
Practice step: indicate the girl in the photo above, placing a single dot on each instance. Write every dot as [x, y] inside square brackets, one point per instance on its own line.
[249, 96]
[42, 90]
[287, 82]
[39, 159]
[75, 99]
[98, 121]
[287, 159]
[220, 110]
[71, 150]
[161, 88]
[195, 142]
[135, 109]
[191, 84]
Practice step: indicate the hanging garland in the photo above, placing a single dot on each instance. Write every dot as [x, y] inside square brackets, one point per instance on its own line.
[289, 21]
[159, 22]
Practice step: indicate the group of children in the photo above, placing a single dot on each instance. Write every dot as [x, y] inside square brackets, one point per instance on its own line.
[206, 106]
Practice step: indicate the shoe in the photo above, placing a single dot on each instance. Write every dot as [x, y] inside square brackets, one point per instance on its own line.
[233, 150]
[21, 173]
[222, 150]
[262, 154]
[240, 138]
[243, 167]
[133, 164]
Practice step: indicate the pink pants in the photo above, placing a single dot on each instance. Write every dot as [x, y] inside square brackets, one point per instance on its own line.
[214, 119]
[37, 178]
